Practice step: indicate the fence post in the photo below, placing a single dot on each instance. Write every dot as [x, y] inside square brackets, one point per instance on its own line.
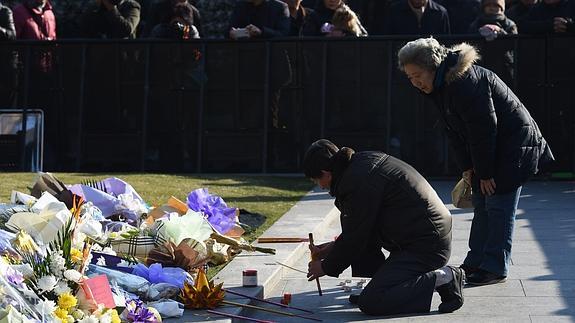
[266, 108]
[144, 136]
[200, 139]
[25, 108]
[79, 140]
[323, 87]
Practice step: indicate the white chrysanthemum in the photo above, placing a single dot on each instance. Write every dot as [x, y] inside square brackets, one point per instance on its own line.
[62, 287]
[106, 317]
[101, 261]
[73, 275]
[57, 264]
[89, 319]
[45, 308]
[124, 263]
[109, 251]
[47, 283]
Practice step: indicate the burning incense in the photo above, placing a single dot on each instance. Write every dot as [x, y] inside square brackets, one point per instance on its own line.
[268, 302]
[238, 317]
[271, 310]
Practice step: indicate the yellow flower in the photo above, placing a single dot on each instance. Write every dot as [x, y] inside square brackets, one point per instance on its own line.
[61, 314]
[66, 301]
[76, 255]
[24, 243]
[115, 317]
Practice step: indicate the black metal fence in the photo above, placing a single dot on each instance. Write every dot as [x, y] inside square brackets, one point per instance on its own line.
[255, 106]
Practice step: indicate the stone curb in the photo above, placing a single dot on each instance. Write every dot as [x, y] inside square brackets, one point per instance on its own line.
[313, 213]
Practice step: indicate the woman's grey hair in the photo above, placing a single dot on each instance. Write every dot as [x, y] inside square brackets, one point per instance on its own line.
[426, 53]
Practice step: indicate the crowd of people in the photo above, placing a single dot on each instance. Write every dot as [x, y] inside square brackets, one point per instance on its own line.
[238, 19]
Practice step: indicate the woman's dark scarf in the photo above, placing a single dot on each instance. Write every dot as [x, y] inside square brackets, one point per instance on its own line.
[448, 62]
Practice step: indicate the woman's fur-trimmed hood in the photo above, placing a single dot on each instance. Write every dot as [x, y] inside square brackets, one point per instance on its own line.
[468, 55]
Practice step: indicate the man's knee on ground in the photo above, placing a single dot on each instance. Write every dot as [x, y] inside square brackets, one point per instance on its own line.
[372, 304]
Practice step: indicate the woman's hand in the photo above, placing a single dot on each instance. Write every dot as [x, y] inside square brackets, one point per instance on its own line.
[314, 270]
[487, 186]
[467, 175]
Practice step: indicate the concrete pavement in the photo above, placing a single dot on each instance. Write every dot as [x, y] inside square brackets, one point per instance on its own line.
[540, 286]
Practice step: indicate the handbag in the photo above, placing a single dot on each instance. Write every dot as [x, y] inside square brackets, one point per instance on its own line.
[461, 195]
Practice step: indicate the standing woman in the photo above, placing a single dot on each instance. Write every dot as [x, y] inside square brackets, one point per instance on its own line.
[497, 144]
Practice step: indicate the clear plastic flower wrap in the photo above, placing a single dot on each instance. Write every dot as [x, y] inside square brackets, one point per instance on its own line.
[168, 308]
[160, 291]
[9, 295]
[128, 282]
[7, 210]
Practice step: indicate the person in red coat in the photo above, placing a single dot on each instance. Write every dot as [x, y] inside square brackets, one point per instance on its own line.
[34, 19]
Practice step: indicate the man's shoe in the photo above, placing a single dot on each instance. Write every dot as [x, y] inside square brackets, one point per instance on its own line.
[468, 269]
[452, 292]
[482, 277]
[354, 299]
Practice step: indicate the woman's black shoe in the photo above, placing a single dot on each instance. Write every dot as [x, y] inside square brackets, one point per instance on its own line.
[452, 292]
[482, 277]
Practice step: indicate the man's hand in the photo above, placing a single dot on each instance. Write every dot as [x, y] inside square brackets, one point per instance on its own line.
[487, 186]
[319, 252]
[314, 270]
[253, 30]
[559, 24]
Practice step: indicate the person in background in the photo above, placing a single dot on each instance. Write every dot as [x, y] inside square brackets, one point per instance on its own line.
[321, 21]
[35, 20]
[416, 17]
[385, 203]
[461, 14]
[8, 60]
[259, 19]
[216, 15]
[490, 24]
[548, 17]
[345, 23]
[520, 10]
[492, 21]
[161, 11]
[112, 19]
[298, 16]
[321, 17]
[180, 25]
[497, 145]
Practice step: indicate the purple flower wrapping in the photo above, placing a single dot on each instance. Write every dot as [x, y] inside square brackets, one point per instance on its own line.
[218, 213]
[138, 312]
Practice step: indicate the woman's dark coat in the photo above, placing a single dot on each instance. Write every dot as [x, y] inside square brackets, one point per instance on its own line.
[384, 202]
[489, 128]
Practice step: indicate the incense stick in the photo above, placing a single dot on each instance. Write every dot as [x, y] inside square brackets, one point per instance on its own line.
[317, 279]
[268, 302]
[290, 267]
[270, 310]
[282, 240]
[238, 316]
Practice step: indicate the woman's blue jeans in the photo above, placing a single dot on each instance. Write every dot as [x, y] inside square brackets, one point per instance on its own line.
[492, 231]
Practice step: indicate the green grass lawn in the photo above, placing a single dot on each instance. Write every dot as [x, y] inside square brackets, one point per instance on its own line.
[271, 196]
